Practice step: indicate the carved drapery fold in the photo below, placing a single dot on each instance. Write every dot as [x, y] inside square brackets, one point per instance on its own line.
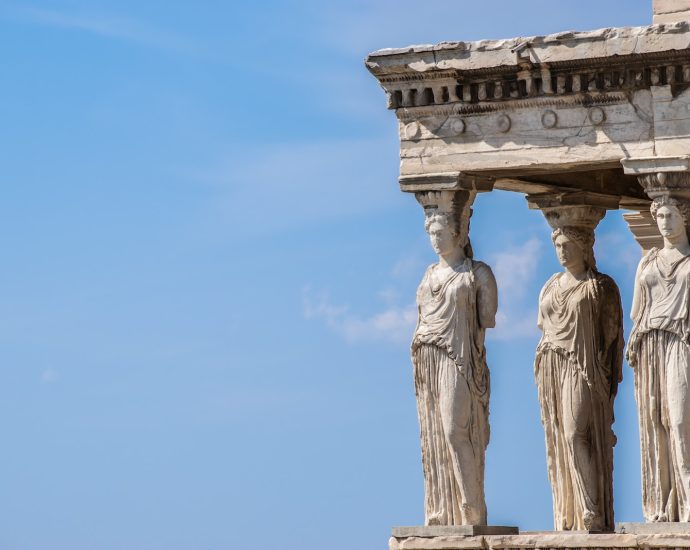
[578, 366]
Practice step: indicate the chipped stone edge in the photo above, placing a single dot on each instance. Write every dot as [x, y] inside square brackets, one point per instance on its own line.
[550, 49]
[539, 540]
[608, 33]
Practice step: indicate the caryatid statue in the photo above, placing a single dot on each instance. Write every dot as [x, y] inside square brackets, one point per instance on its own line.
[659, 353]
[577, 370]
[457, 302]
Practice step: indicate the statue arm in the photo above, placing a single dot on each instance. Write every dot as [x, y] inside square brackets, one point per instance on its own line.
[612, 329]
[635, 309]
[637, 292]
[540, 319]
[487, 296]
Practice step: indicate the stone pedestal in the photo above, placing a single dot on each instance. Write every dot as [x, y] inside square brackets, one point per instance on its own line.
[656, 528]
[552, 540]
[452, 530]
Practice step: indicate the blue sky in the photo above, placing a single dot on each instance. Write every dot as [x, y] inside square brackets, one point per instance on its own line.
[209, 272]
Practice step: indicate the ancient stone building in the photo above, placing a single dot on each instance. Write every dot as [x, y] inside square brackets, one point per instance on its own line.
[580, 123]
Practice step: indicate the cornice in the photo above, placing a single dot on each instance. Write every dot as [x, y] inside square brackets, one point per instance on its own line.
[519, 69]
[552, 48]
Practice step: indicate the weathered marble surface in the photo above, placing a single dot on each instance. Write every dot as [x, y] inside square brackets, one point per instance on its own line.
[577, 370]
[430, 142]
[453, 530]
[669, 11]
[546, 114]
[551, 48]
[659, 354]
[457, 301]
[513, 108]
[540, 540]
[656, 528]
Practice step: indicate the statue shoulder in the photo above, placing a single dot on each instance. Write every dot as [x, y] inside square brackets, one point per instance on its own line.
[483, 273]
[547, 284]
[550, 281]
[648, 256]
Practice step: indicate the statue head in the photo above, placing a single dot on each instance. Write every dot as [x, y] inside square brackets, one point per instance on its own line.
[444, 232]
[672, 216]
[447, 220]
[574, 246]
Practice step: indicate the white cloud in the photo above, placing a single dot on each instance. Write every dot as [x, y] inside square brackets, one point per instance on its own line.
[515, 272]
[395, 324]
[389, 295]
[49, 376]
[516, 268]
[392, 324]
[320, 307]
[515, 323]
[104, 25]
[409, 265]
[617, 248]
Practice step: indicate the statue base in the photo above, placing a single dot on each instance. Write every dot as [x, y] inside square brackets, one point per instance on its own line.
[656, 528]
[453, 530]
[553, 540]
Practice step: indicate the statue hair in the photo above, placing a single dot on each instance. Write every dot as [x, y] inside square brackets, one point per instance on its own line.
[582, 237]
[682, 206]
[459, 225]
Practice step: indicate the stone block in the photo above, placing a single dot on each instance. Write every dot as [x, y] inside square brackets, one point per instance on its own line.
[656, 528]
[453, 530]
[670, 11]
[672, 17]
[670, 6]
[552, 540]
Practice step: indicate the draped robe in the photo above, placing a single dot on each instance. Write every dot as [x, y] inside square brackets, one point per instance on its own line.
[452, 388]
[659, 354]
[577, 370]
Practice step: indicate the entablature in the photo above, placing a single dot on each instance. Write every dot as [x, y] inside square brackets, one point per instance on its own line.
[494, 71]
[541, 114]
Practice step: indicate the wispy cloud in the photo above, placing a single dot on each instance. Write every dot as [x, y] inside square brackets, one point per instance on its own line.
[48, 376]
[104, 25]
[515, 272]
[409, 265]
[617, 248]
[392, 324]
[515, 268]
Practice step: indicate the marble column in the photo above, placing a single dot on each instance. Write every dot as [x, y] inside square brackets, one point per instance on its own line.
[658, 349]
[457, 301]
[578, 365]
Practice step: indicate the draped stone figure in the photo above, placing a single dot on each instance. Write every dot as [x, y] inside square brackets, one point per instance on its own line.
[659, 353]
[577, 371]
[457, 302]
